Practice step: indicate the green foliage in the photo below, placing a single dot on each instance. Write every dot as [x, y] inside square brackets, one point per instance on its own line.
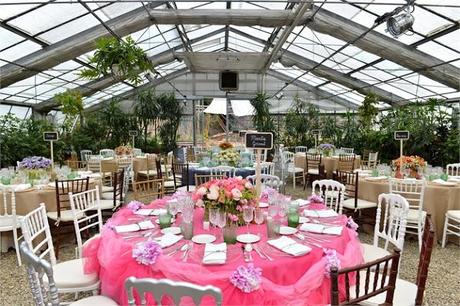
[262, 119]
[122, 55]
[147, 112]
[170, 115]
[299, 121]
[367, 112]
[71, 102]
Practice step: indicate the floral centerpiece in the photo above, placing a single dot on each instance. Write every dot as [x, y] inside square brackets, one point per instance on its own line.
[35, 166]
[414, 163]
[124, 150]
[228, 157]
[326, 148]
[225, 145]
[228, 194]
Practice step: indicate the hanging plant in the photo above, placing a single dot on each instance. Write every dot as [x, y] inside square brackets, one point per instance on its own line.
[71, 102]
[122, 58]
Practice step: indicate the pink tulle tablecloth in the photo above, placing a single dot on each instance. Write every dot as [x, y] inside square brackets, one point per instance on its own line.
[287, 280]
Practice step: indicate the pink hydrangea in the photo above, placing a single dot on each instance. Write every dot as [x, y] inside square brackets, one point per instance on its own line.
[134, 205]
[146, 253]
[352, 224]
[331, 261]
[315, 199]
[246, 278]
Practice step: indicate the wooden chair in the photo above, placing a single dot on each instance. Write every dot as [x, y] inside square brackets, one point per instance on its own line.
[201, 179]
[226, 171]
[180, 175]
[451, 225]
[346, 162]
[147, 191]
[300, 149]
[408, 293]
[62, 218]
[368, 284]
[112, 200]
[169, 183]
[347, 150]
[151, 170]
[313, 168]
[350, 180]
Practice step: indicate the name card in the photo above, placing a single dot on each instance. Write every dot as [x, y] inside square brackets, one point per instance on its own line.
[50, 136]
[133, 133]
[401, 135]
[259, 141]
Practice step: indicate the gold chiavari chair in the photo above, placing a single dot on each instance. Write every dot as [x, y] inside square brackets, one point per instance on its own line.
[149, 190]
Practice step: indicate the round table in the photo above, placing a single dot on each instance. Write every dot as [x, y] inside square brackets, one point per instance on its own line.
[286, 280]
[437, 200]
[330, 163]
[243, 172]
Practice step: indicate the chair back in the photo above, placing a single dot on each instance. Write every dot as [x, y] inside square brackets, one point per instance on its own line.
[118, 183]
[137, 152]
[84, 155]
[93, 163]
[300, 149]
[63, 188]
[107, 153]
[127, 177]
[313, 161]
[146, 191]
[373, 160]
[267, 180]
[124, 161]
[180, 173]
[9, 214]
[425, 258]
[390, 220]
[43, 293]
[347, 150]
[412, 190]
[383, 281]
[350, 180]
[226, 171]
[36, 231]
[151, 162]
[176, 290]
[346, 162]
[332, 193]
[267, 168]
[201, 179]
[86, 209]
[453, 169]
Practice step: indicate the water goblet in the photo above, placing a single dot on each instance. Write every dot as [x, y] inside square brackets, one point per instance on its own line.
[213, 216]
[173, 208]
[221, 221]
[259, 218]
[248, 215]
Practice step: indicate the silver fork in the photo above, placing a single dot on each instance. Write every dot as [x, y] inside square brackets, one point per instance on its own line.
[264, 253]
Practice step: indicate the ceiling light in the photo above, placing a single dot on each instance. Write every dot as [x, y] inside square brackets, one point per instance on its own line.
[399, 24]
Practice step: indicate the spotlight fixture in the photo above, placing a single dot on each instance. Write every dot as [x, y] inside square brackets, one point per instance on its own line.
[399, 24]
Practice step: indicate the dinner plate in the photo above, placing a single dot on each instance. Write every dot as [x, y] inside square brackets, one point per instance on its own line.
[287, 230]
[203, 238]
[263, 205]
[247, 238]
[171, 230]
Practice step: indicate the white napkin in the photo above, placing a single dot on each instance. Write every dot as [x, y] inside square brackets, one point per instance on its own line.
[17, 187]
[375, 178]
[168, 240]
[303, 220]
[203, 168]
[143, 225]
[442, 182]
[454, 179]
[301, 202]
[82, 173]
[290, 246]
[321, 229]
[150, 211]
[215, 254]
[327, 213]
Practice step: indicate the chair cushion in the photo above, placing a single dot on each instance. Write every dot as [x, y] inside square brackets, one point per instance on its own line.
[292, 169]
[66, 215]
[371, 252]
[362, 204]
[6, 222]
[144, 173]
[69, 274]
[313, 171]
[169, 184]
[107, 195]
[108, 204]
[106, 189]
[191, 188]
[404, 294]
[454, 214]
[413, 217]
[99, 300]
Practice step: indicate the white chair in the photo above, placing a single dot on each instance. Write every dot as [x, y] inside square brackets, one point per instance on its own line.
[288, 162]
[43, 285]
[267, 168]
[389, 226]
[9, 221]
[88, 205]
[84, 154]
[451, 225]
[137, 152]
[300, 149]
[263, 155]
[223, 170]
[124, 161]
[69, 276]
[332, 193]
[93, 163]
[413, 191]
[176, 290]
[453, 169]
[267, 180]
[347, 150]
[107, 153]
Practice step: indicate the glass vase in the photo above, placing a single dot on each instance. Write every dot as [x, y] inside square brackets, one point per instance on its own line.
[230, 233]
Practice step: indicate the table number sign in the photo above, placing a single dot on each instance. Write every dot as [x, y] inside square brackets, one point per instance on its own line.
[259, 142]
[401, 136]
[133, 134]
[316, 134]
[51, 137]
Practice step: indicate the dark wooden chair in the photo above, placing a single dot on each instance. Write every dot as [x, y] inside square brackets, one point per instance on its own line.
[180, 174]
[147, 191]
[169, 184]
[346, 162]
[112, 200]
[313, 168]
[62, 218]
[367, 283]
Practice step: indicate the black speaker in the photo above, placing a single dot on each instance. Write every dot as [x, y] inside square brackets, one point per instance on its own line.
[228, 80]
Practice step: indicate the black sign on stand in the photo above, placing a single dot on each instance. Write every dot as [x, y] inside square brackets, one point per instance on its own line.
[242, 133]
[401, 135]
[50, 136]
[133, 133]
[316, 132]
[259, 141]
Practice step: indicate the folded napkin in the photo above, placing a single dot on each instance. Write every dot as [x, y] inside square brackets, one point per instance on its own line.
[301, 202]
[215, 254]
[82, 173]
[17, 187]
[321, 229]
[327, 213]
[290, 246]
[168, 240]
[454, 179]
[442, 182]
[375, 178]
[362, 171]
[143, 225]
[303, 220]
[150, 211]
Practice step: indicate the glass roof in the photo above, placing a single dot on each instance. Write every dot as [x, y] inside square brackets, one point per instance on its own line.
[28, 26]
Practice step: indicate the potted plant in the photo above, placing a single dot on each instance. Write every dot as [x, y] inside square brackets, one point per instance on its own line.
[122, 58]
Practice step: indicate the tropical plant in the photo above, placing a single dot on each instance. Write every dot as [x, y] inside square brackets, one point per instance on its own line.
[70, 101]
[262, 119]
[367, 112]
[301, 118]
[121, 57]
[147, 112]
[170, 115]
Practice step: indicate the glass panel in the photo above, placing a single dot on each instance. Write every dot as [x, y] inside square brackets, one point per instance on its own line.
[19, 51]
[69, 29]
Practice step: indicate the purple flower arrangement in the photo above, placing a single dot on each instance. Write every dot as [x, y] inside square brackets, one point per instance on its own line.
[246, 278]
[34, 162]
[315, 199]
[326, 147]
[331, 261]
[146, 253]
[352, 224]
[134, 205]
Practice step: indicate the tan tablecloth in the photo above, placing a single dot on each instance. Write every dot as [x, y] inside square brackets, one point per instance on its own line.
[330, 163]
[437, 200]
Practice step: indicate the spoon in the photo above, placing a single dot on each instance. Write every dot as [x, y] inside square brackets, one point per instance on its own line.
[248, 248]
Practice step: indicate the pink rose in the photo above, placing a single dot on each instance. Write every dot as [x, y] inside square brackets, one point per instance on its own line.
[244, 202]
[236, 194]
[200, 203]
[248, 185]
[201, 191]
[213, 193]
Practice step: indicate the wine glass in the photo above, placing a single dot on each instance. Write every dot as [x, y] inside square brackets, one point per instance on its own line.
[173, 208]
[221, 221]
[248, 215]
[213, 216]
[259, 218]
